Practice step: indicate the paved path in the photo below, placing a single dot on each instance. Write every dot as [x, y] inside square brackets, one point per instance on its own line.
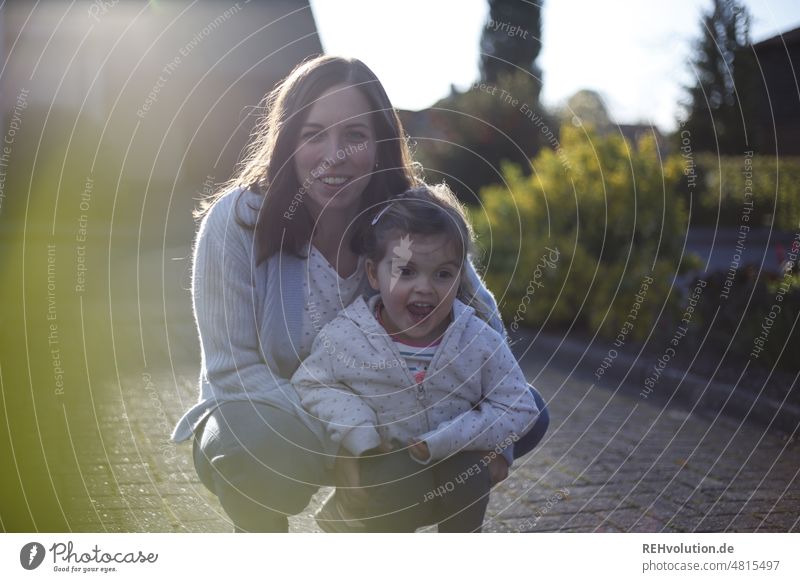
[610, 462]
[624, 464]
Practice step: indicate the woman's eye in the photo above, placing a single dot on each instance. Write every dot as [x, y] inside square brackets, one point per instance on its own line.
[311, 136]
[405, 271]
[358, 136]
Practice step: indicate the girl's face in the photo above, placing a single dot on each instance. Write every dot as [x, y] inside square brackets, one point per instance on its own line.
[418, 279]
[336, 151]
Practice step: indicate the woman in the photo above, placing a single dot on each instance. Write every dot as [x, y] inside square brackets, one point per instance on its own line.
[272, 265]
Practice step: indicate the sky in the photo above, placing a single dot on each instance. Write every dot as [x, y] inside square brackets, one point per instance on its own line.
[634, 53]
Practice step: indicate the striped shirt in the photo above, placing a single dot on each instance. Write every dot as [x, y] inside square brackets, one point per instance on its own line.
[417, 357]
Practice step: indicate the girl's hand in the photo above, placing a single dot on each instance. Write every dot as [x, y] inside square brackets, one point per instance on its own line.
[419, 450]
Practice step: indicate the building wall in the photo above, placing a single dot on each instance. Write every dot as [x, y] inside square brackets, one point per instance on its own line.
[164, 89]
[779, 60]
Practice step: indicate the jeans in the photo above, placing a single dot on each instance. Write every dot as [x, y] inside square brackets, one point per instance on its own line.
[403, 495]
[261, 462]
[534, 436]
[264, 464]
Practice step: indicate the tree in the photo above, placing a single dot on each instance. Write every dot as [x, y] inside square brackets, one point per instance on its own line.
[511, 39]
[464, 137]
[720, 113]
[588, 107]
[467, 135]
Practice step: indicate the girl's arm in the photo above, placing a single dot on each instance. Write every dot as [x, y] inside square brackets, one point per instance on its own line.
[348, 420]
[507, 408]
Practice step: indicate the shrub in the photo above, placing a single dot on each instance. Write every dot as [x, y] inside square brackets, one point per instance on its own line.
[756, 321]
[609, 211]
[721, 187]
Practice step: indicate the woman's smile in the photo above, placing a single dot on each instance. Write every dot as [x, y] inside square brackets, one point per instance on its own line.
[334, 180]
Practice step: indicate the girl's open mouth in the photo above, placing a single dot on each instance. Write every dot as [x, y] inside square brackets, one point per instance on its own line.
[420, 311]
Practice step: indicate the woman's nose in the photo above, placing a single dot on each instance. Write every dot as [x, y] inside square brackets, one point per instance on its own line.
[334, 152]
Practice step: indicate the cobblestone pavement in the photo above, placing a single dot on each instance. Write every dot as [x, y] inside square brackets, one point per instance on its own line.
[613, 462]
[610, 462]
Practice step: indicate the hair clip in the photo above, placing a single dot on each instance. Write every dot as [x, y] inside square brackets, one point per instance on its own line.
[381, 213]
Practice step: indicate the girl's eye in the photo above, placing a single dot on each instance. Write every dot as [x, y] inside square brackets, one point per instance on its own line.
[445, 274]
[405, 271]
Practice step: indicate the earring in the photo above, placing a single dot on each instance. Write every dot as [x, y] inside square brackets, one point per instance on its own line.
[377, 164]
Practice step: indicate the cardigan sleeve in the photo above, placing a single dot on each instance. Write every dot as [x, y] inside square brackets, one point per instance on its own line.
[224, 302]
[477, 295]
[507, 409]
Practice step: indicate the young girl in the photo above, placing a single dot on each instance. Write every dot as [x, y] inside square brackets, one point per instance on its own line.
[411, 383]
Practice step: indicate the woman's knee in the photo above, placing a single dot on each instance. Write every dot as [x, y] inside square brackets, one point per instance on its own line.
[534, 436]
[466, 472]
[256, 456]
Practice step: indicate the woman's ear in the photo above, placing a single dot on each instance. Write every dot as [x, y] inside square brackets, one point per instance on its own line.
[372, 274]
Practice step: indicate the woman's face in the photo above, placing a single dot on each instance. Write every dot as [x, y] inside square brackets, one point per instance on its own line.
[336, 151]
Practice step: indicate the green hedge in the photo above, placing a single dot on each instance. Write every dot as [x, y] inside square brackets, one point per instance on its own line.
[609, 211]
[720, 190]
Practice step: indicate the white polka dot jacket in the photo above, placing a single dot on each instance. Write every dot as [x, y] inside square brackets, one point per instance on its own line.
[473, 396]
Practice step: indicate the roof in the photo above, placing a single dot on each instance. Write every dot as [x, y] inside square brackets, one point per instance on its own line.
[788, 37]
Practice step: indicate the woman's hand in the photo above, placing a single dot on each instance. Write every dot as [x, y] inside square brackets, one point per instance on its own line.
[347, 477]
[381, 449]
[498, 469]
[347, 474]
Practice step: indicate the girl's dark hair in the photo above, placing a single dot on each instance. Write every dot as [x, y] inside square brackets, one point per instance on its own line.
[268, 167]
[424, 210]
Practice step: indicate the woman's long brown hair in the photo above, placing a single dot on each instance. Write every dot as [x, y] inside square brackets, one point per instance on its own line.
[267, 168]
